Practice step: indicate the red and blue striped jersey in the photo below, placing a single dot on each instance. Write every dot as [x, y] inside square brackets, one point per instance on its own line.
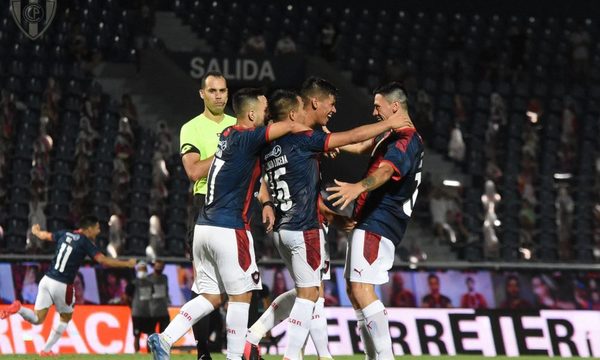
[71, 249]
[385, 211]
[292, 167]
[233, 177]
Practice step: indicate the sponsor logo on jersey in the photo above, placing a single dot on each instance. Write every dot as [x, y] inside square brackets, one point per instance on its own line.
[276, 152]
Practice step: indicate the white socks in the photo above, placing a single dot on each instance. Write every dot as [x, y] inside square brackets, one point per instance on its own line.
[378, 327]
[365, 338]
[28, 315]
[298, 326]
[278, 311]
[236, 323]
[191, 312]
[55, 335]
[318, 329]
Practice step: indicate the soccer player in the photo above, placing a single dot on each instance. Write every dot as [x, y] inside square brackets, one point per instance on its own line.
[386, 197]
[199, 138]
[56, 287]
[292, 166]
[223, 247]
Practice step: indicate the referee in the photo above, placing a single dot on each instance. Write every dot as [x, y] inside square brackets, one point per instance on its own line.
[199, 138]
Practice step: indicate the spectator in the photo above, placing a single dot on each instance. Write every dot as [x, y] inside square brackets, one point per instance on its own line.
[513, 299]
[424, 114]
[159, 306]
[285, 45]
[327, 41]
[472, 299]
[128, 110]
[279, 282]
[79, 288]
[254, 45]
[580, 53]
[116, 237]
[401, 297]
[456, 145]
[489, 199]
[564, 217]
[124, 140]
[435, 299]
[165, 139]
[157, 238]
[545, 290]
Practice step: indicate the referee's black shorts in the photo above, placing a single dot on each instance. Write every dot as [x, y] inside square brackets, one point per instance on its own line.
[197, 205]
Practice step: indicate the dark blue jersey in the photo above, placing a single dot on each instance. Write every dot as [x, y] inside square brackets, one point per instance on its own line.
[292, 167]
[385, 211]
[233, 177]
[71, 250]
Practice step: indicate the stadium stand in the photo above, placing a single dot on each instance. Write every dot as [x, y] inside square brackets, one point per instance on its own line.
[522, 91]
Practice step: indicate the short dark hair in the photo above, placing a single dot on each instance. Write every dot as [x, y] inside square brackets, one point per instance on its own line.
[469, 279]
[316, 86]
[433, 276]
[243, 97]
[281, 102]
[88, 221]
[393, 91]
[210, 73]
[509, 278]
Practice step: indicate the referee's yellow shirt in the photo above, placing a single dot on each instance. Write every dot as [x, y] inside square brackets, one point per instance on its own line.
[201, 135]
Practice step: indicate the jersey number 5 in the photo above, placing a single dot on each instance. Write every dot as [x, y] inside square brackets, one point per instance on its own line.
[282, 190]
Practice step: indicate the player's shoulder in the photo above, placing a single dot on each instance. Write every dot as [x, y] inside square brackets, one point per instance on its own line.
[403, 138]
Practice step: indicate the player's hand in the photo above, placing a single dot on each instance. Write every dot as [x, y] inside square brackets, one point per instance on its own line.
[268, 218]
[131, 263]
[399, 120]
[35, 229]
[345, 193]
[333, 153]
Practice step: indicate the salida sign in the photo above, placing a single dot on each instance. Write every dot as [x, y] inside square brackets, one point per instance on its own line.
[108, 330]
[240, 71]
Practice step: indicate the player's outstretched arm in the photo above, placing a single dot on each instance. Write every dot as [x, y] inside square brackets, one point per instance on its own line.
[366, 132]
[110, 262]
[194, 167]
[282, 128]
[41, 234]
[345, 193]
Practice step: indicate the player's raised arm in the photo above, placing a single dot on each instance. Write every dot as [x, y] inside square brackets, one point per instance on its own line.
[281, 128]
[345, 193]
[110, 262]
[367, 132]
[41, 234]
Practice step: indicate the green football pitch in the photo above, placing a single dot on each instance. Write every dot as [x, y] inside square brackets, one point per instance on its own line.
[267, 357]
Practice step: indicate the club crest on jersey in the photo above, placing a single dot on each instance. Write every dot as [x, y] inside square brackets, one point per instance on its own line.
[274, 153]
[255, 277]
[221, 147]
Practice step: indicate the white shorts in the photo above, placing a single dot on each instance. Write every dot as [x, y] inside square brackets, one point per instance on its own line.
[369, 257]
[224, 261]
[302, 253]
[326, 268]
[55, 292]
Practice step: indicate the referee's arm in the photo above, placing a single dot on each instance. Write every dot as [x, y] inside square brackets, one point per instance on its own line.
[195, 168]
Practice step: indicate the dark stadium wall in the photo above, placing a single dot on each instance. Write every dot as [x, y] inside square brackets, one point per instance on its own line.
[575, 8]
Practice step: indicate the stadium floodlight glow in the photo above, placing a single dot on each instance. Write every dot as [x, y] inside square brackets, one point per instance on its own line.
[563, 176]
[451, 183]
[533, 116]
